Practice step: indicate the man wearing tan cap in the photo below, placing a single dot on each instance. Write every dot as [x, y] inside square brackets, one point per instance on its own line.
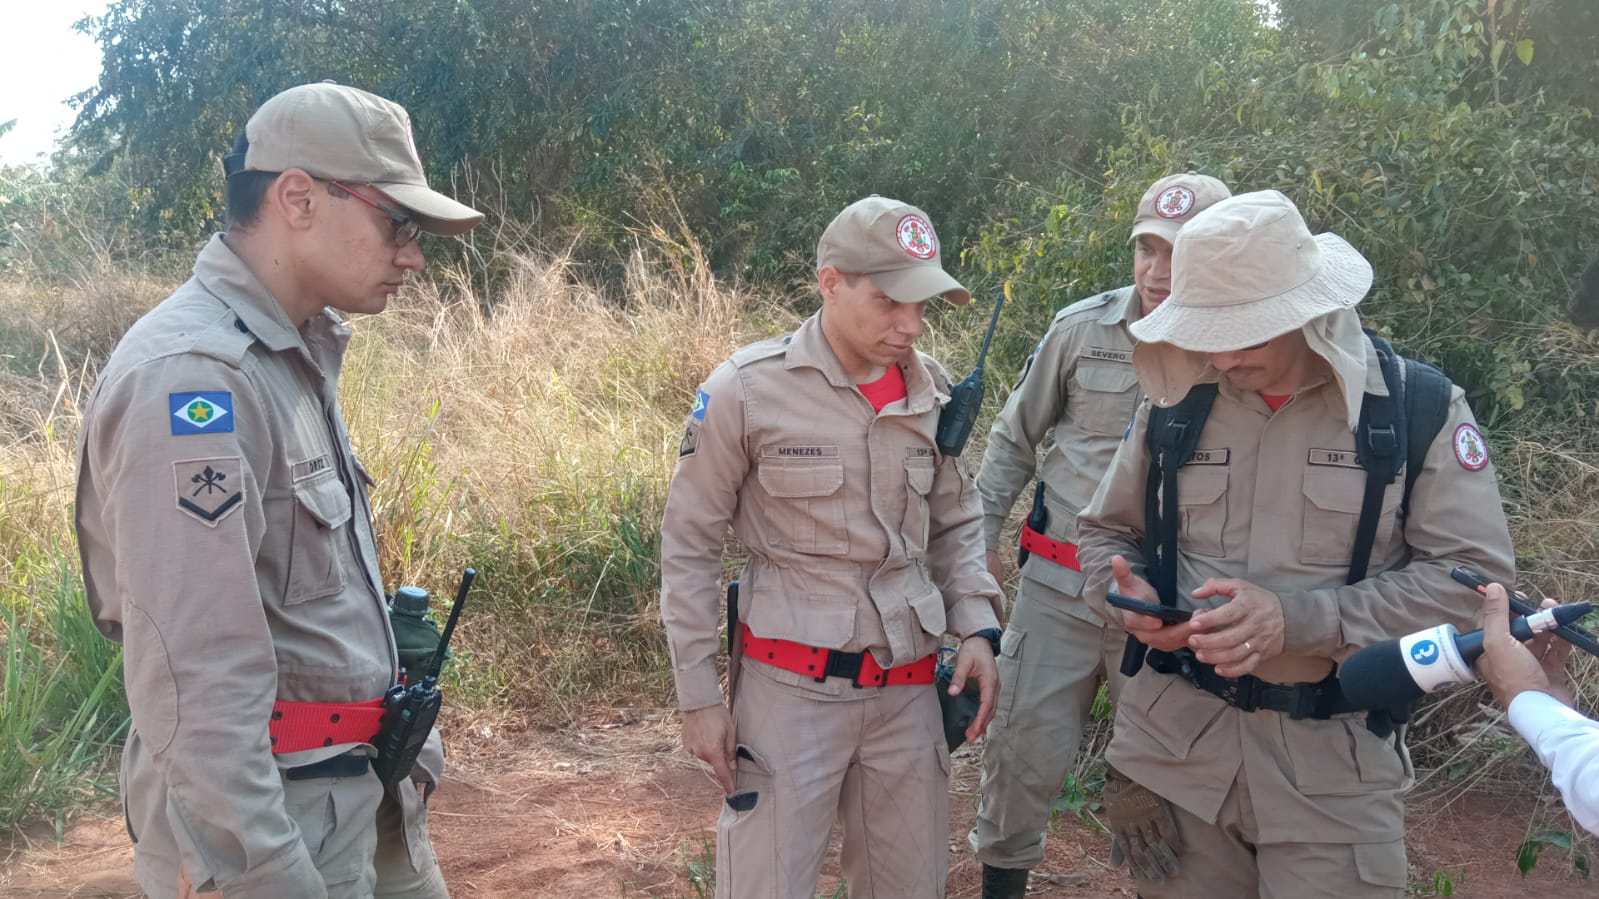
[1076, 394]
[226, 533]
[817, 449]
[1277, 785]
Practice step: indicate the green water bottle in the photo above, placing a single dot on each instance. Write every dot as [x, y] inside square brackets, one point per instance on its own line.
[415, 635]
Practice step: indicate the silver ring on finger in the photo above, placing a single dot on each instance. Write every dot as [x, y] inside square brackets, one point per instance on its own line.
[1247, 647]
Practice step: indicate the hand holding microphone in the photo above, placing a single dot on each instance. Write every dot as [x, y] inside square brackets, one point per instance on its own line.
[1511, 668]
[1397, 672]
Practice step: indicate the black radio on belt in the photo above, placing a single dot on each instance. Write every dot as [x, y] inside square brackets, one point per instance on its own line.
[409, 710]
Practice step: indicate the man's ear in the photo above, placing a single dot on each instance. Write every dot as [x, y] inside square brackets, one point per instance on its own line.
[827, 281]
[294, 193]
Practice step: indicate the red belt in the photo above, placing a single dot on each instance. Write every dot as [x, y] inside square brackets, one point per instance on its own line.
[1057, 551]
[310, 725]
[860, 667]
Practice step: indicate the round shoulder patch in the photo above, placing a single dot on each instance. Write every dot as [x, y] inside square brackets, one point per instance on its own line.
[1174, 202]
[1470, 449]
[916, 236]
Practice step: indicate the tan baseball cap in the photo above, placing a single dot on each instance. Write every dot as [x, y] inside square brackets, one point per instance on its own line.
[1172, 201]
[340, 133]
[893, 244]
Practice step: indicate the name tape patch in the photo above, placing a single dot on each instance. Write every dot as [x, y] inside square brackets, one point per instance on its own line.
[1109, 355]
[1334, 458]
[775, 452]
[1210, 457]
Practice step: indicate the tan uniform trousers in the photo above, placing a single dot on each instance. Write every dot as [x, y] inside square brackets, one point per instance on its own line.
[877, 763]
[1226, 860]
[1051, 662]
[356, 862]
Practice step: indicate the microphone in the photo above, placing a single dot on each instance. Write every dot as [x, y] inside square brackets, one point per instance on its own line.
[1396, 672]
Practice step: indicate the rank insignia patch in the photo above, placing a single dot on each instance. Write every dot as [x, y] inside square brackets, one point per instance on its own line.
[690, 441]
[208, 489]
[202, 412]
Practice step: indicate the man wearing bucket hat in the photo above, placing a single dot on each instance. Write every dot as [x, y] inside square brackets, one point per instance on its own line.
[817, 449]
[1275, 785]
[1076, 394]
[226, 533]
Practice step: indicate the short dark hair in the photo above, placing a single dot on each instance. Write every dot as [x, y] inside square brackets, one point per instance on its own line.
[244, 190]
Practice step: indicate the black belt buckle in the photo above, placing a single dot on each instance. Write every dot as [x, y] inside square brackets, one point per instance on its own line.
[1306, 702]
[843, 664]
[350, 764]
[1243, 693]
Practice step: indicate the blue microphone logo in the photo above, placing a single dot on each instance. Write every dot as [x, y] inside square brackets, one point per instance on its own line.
[1425, 652]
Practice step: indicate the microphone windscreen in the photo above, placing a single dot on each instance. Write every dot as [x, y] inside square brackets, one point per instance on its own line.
[1375, 677]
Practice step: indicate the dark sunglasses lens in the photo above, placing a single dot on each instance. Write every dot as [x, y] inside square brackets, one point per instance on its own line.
[742, 802]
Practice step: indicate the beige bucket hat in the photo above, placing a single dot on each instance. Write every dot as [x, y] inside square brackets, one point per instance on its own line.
[1248, 269]
[340, 133]
[1244, 271]
[894, 245]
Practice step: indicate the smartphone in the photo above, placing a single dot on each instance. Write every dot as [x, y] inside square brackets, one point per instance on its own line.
[1164, 613]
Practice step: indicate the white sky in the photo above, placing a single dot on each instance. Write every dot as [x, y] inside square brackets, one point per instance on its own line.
[42, 63]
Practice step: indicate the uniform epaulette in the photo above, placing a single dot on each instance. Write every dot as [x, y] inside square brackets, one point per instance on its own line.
[226, 339]
[1094, 303]
[763, 349]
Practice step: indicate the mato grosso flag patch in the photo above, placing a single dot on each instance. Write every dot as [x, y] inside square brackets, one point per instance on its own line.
[201, 412]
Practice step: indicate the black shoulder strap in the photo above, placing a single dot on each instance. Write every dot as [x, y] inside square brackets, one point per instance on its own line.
[1399, 427]
[1173, 435]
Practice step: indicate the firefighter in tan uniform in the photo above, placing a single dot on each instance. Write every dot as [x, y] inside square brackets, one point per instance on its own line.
[1076, 395]
[226, 533]
[1275, 788]
[865, 549]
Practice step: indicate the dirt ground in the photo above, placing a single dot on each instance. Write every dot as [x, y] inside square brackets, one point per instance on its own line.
[617, 810]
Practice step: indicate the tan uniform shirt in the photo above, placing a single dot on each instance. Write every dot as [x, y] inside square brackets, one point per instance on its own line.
[227, 542]
[861, 535]
[1274, 498]
[1076, 397]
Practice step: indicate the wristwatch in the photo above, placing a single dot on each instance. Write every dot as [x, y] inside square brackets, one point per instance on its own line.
[992, 635]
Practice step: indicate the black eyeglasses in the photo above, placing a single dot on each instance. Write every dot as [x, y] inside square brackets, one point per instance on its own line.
[406, 228]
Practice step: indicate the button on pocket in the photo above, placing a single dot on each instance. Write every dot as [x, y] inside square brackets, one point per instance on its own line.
[807, 508]
[316, 559]
[1102, 398]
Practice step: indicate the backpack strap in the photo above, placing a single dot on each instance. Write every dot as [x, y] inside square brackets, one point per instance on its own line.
[1398, 427]
[1380, 447]
[1173, 435]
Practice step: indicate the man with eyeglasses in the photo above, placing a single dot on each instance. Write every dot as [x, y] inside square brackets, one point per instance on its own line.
[226, 533]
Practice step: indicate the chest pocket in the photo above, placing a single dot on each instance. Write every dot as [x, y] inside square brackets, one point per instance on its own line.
[807, 504]
[318, 538]
[1332, 512]
[1202, 509]
[918, 484]
[1102, 397]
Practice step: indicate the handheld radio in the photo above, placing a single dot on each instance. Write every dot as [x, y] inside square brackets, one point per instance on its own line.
[958, 417]
[409, 710]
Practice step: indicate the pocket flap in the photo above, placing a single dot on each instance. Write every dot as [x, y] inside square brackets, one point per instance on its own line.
[1343, 490]
[801, 477]
[1200, 485]
[323, 496]
[1107, 378]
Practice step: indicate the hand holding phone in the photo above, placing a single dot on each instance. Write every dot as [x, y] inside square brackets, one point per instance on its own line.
[1168, 614]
